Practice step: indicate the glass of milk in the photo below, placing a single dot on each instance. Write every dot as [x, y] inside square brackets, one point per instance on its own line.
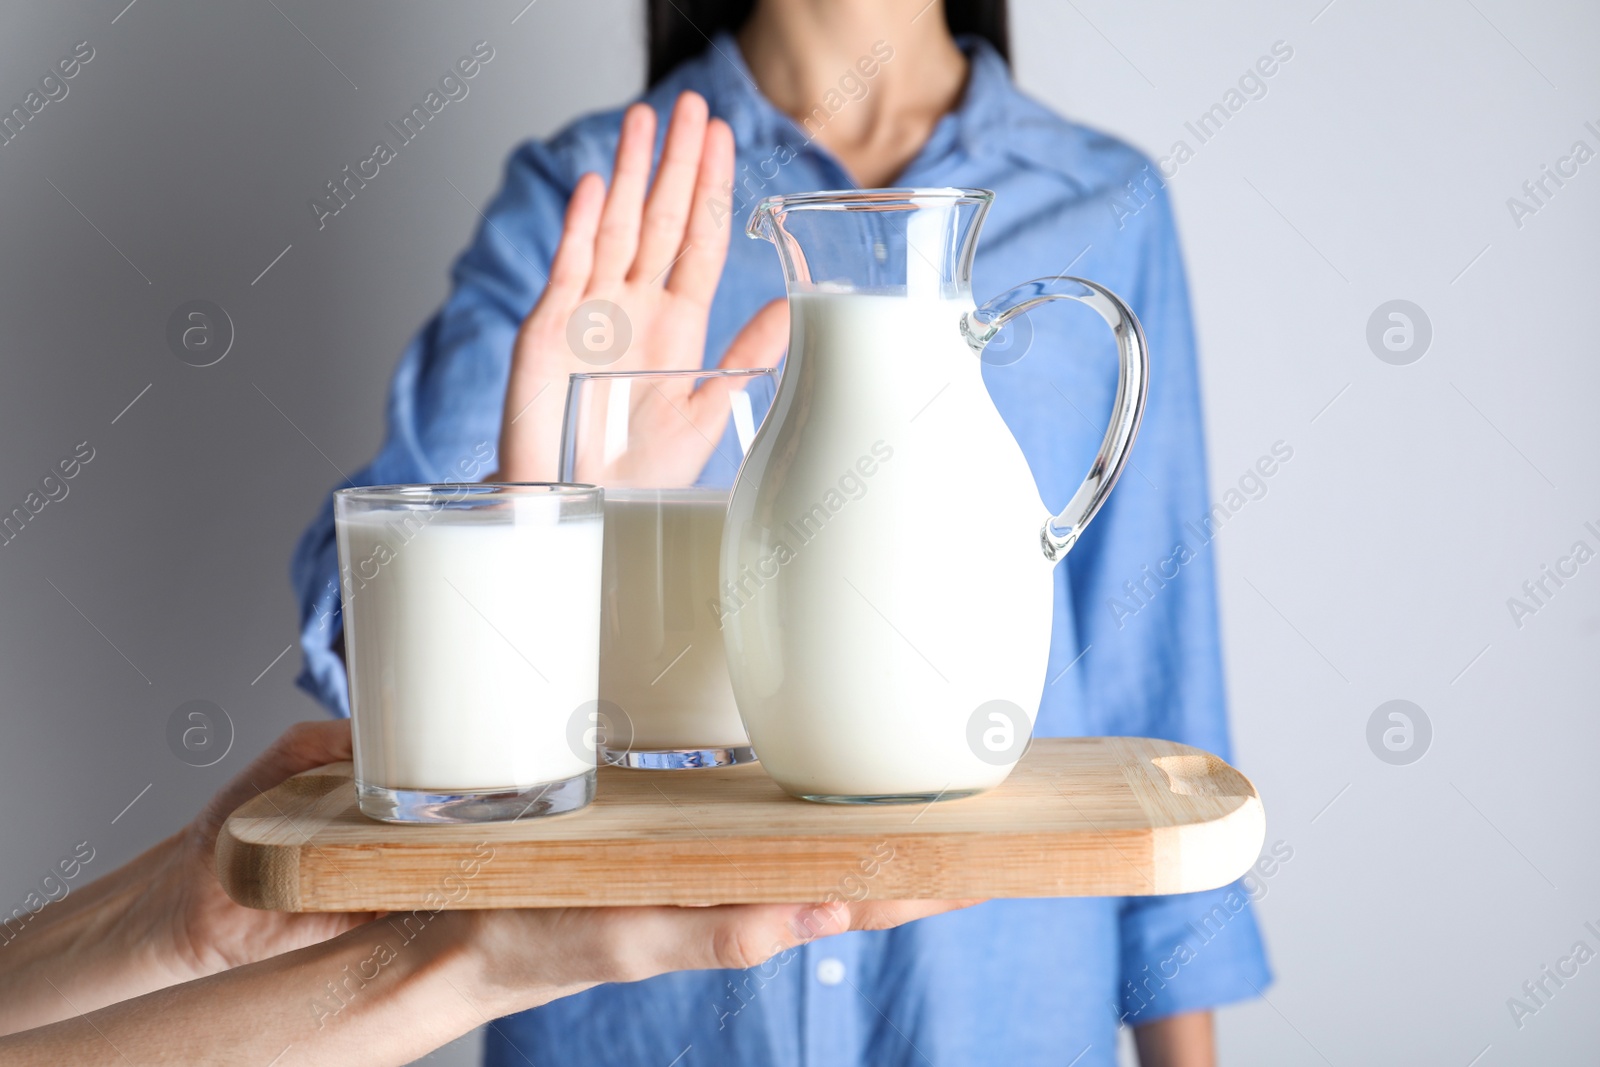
[472, 638]
[665, 446]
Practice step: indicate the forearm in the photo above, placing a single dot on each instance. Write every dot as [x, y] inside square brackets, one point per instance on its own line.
[369, 996]
[87, 950]
[1183, 1040]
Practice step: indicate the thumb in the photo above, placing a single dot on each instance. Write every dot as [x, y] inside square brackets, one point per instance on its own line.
[303, 746]
[726, 936]
[760, 345]
[762, 341]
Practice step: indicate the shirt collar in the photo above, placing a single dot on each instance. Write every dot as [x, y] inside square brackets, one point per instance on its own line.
[982, 117]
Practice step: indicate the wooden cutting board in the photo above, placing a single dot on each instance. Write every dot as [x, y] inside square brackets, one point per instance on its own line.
[1100, 816]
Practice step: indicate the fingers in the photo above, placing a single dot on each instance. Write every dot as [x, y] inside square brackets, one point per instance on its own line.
[526, 451]
[740, 936]
[634, 943]
[667, 212]
[884, 914]
[760, 344]
[303, 746]
[762, 341]
[618, 238]
[650, 941]
[705, 243]
[574, 258]
[527, 957]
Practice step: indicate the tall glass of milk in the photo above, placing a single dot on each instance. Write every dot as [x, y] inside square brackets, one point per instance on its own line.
[472, 638]
[666, 447]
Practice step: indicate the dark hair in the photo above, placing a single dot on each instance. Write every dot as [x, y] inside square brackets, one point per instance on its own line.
[677, 29]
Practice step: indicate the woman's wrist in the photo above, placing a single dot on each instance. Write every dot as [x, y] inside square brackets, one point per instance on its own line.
[377, 993]
[98, 945]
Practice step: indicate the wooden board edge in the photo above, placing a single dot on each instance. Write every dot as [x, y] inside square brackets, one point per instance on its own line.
[1212, 854]
[261, 876]
[915, 866]
[261, 866]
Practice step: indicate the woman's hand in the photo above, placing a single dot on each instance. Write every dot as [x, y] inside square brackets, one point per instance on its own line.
[163, 918]
[200, 927]
[155, 962]
[630, 289]
[383, 994]
[524, 958]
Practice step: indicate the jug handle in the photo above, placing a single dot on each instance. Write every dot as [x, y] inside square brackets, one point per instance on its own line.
[979, 327]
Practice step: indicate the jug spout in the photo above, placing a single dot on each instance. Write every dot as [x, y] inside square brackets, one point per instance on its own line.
[761, 223]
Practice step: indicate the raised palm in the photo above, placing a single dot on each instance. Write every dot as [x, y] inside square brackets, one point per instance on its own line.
[630, 289]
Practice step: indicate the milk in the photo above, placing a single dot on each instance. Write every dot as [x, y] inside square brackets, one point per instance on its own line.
[470, 644]
[882, 565]
[661, 653]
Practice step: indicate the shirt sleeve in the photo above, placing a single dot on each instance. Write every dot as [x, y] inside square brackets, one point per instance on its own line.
[444, 404]
[1143, 595]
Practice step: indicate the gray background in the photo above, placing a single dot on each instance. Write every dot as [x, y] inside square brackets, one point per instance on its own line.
[1377, 167]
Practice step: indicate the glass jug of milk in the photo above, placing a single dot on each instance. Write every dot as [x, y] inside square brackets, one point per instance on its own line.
[887, 559]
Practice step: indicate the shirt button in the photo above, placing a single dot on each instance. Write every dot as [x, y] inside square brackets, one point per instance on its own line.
[830, 971]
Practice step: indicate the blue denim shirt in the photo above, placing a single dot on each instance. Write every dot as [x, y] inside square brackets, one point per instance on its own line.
[1135, 644]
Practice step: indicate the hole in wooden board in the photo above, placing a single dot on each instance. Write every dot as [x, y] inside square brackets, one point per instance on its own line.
[1201, 774]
